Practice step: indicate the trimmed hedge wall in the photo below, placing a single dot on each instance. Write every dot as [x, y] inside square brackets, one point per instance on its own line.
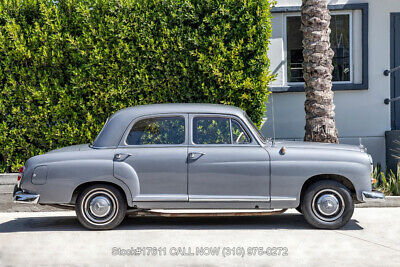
[65, 66]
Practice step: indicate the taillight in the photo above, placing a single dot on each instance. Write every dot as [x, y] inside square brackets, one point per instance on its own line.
[21, 171]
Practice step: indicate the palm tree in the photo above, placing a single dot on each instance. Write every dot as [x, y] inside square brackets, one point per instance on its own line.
[317, 72]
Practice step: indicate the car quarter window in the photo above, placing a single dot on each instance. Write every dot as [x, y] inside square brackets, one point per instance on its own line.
[218, 130]
[239, 135]
[158, 131]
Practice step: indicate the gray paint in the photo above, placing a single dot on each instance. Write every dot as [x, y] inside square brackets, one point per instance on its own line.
[303, 160]
[343, 86]
[169, 179]
[39, 175]
[224, 176]
[225, 171]
[119, 122]
[69, 168]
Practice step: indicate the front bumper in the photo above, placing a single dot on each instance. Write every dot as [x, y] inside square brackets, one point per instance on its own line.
[19, 196]
[368, 196]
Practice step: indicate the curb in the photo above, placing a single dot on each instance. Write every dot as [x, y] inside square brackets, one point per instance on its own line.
[8, 178]
[390, 202]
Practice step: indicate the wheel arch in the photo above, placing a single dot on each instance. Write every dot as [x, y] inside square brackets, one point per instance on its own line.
[333, 177]
[123, 190]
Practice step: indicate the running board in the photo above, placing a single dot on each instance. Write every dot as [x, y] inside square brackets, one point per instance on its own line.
[174, 213]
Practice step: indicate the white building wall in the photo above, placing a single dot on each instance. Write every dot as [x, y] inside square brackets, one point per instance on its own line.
[359, 113]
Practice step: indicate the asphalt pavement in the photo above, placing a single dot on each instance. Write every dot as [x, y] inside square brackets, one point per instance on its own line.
[371, 238]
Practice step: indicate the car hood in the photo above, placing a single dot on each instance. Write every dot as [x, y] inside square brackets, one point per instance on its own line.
[315, 145]
[71, 148]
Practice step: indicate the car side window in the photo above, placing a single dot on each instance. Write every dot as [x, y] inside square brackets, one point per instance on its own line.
[158, 131]
[211, 130]
[238, 134]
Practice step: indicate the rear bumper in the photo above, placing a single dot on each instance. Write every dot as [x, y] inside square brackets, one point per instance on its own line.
[368, 196]
[19, 196]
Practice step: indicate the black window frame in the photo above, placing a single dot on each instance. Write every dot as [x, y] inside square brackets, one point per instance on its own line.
[364, 85]
[295, 19]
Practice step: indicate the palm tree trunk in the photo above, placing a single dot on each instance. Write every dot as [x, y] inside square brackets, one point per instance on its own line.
[317, 72]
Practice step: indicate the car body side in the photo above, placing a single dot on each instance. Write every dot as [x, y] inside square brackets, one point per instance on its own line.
[291, 169]
[300, 166]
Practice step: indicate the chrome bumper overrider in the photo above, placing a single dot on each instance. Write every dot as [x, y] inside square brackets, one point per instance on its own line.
[372, 196]
[24, 197]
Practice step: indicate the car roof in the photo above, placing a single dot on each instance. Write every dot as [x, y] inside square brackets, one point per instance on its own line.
[143, 110]
[115, 127]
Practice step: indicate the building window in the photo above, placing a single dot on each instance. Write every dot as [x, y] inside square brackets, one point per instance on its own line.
[340, 43]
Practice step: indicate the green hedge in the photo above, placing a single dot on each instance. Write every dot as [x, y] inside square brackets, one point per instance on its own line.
[65, 66]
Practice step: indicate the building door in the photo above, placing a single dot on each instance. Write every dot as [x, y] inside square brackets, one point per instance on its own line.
[392, 136]
[394, 62]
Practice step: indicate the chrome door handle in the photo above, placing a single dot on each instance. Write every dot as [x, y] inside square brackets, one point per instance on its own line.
[121, 156]
[196, 155]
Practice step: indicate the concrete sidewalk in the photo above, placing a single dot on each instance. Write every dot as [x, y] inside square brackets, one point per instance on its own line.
[371, 238]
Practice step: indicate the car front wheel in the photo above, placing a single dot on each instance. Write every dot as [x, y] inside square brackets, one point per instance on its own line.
[327, 205]
[100, 207]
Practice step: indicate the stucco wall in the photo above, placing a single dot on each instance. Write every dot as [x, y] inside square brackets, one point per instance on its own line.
[360, 113]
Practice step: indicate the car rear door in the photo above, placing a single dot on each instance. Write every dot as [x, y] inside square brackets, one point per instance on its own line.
[225, 162]
[152, 156]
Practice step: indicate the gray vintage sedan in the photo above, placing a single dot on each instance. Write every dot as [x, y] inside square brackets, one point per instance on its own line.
[196, 156]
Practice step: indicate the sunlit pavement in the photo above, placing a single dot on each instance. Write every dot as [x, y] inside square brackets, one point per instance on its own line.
[371, 238]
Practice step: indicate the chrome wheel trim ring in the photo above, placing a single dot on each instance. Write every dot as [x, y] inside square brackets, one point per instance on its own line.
[109, 216]
[328, 205]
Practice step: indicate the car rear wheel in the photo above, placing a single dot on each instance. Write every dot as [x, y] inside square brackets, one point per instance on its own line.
[100, 207]
[327, 205]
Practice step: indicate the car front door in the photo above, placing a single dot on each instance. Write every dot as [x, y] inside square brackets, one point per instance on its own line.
[225, 162]
[152, 156]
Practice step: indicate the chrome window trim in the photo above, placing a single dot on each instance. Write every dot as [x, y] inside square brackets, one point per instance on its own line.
[124, 144]
[253, 140]
[245, 132]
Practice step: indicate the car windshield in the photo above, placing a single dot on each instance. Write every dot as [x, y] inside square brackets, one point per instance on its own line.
[259, 134]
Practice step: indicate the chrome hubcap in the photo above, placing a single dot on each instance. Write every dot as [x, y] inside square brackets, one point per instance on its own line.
[328, 205]
[100, 206]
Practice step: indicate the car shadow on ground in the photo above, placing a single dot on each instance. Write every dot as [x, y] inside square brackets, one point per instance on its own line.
[70, 223]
